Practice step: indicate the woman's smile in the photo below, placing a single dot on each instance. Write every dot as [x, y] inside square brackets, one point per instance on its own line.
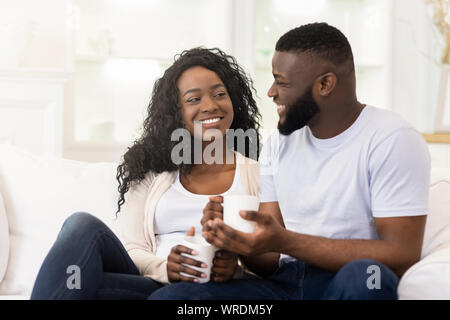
[212, 122]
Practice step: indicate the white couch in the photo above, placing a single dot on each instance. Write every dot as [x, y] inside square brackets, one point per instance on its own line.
[39, 193]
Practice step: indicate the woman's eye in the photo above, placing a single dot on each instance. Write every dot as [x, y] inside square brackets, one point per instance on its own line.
[220, 94]
[192, 100]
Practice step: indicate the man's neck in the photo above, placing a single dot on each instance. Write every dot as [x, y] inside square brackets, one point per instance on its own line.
[333, 122]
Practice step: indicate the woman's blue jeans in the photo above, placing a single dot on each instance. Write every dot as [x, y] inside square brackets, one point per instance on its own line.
[85, 245]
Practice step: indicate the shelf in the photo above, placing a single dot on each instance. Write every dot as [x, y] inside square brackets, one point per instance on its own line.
[105, 58]
[91, 145]
[35, 73]
[437, 138]
[91, 58]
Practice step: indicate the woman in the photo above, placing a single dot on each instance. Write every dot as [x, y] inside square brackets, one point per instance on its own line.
[163, 199]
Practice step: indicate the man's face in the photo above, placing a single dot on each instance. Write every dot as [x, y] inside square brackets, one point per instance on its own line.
[298, 114]
[292, 90]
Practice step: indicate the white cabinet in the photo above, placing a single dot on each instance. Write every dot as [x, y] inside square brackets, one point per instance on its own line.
[31, 110]
[35, 68]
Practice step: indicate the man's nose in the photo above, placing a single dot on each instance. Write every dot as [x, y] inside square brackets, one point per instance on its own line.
[272, 93]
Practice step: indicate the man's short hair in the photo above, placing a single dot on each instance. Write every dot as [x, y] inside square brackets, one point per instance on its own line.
[319, 39]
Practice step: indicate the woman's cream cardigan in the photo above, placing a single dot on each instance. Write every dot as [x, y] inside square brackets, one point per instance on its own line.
[136, 220]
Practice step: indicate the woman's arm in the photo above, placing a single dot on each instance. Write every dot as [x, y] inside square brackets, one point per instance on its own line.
[131, 221]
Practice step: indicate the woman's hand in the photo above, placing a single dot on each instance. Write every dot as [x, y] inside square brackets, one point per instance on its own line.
[212, 210]
[225, 262]
[176, 263]
[224, 266]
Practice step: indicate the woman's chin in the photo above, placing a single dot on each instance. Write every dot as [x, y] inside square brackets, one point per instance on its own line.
[213, 135]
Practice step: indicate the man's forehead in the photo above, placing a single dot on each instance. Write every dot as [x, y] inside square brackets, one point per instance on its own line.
[285, 63]
[289, 64]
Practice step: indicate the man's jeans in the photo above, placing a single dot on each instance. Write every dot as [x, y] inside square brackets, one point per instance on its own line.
[105, 269]
[295, 280]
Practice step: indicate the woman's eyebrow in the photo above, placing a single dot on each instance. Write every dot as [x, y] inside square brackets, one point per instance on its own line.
[191, 90]
[218, 85]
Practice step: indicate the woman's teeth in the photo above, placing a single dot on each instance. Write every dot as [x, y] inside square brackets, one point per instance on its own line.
[211, 121]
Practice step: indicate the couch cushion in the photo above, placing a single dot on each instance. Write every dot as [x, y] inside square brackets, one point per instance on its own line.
[39, 194]
[437, 229]
[4, 239]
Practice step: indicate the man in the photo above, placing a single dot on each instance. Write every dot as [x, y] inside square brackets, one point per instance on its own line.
[344, 186]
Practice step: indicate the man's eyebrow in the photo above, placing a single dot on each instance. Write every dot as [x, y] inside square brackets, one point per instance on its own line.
[277, 75]
[197, 89]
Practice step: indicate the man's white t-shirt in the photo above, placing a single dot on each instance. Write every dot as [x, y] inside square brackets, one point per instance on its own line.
[179, 209]
[379, 167]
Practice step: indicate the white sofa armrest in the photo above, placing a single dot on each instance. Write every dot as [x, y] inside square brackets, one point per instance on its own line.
[429, 279]
[4, 239]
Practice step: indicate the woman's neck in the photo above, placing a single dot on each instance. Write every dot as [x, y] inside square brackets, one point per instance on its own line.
[214, 160]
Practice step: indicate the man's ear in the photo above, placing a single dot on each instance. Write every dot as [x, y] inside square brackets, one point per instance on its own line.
[326, 84]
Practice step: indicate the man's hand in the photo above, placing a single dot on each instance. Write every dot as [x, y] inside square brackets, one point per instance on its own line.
[265, 237]
[176, 263]
[224, 266]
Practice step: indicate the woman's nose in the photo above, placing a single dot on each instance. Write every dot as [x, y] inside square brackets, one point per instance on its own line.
[209, 105]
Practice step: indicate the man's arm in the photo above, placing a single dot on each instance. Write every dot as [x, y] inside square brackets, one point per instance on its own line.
[398, 247]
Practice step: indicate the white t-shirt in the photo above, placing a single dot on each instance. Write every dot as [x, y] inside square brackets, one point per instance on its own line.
[179, 209]
[379, 167]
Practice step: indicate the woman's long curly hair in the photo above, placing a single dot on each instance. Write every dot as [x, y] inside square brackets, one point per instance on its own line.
[152, 151]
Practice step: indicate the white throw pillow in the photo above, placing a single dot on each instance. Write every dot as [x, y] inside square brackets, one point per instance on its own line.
[4, 239]
[40, 193]
[437, 229]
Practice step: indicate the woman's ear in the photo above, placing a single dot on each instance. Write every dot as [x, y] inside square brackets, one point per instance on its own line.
[326, 84]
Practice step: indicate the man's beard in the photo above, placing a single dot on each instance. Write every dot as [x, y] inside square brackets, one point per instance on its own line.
[299, 114]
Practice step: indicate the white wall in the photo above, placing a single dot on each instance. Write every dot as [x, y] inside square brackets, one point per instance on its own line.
[415, 64]
[40, 35]
[416, 71]
[35, 34]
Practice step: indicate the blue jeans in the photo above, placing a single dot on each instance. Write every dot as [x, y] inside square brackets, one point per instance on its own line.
[294, 280]
[105, 269]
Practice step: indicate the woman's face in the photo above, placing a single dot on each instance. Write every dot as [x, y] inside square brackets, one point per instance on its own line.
[204, 100]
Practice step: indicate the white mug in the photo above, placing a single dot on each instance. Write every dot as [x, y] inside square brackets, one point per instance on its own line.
[232, 204]
[206, 255]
